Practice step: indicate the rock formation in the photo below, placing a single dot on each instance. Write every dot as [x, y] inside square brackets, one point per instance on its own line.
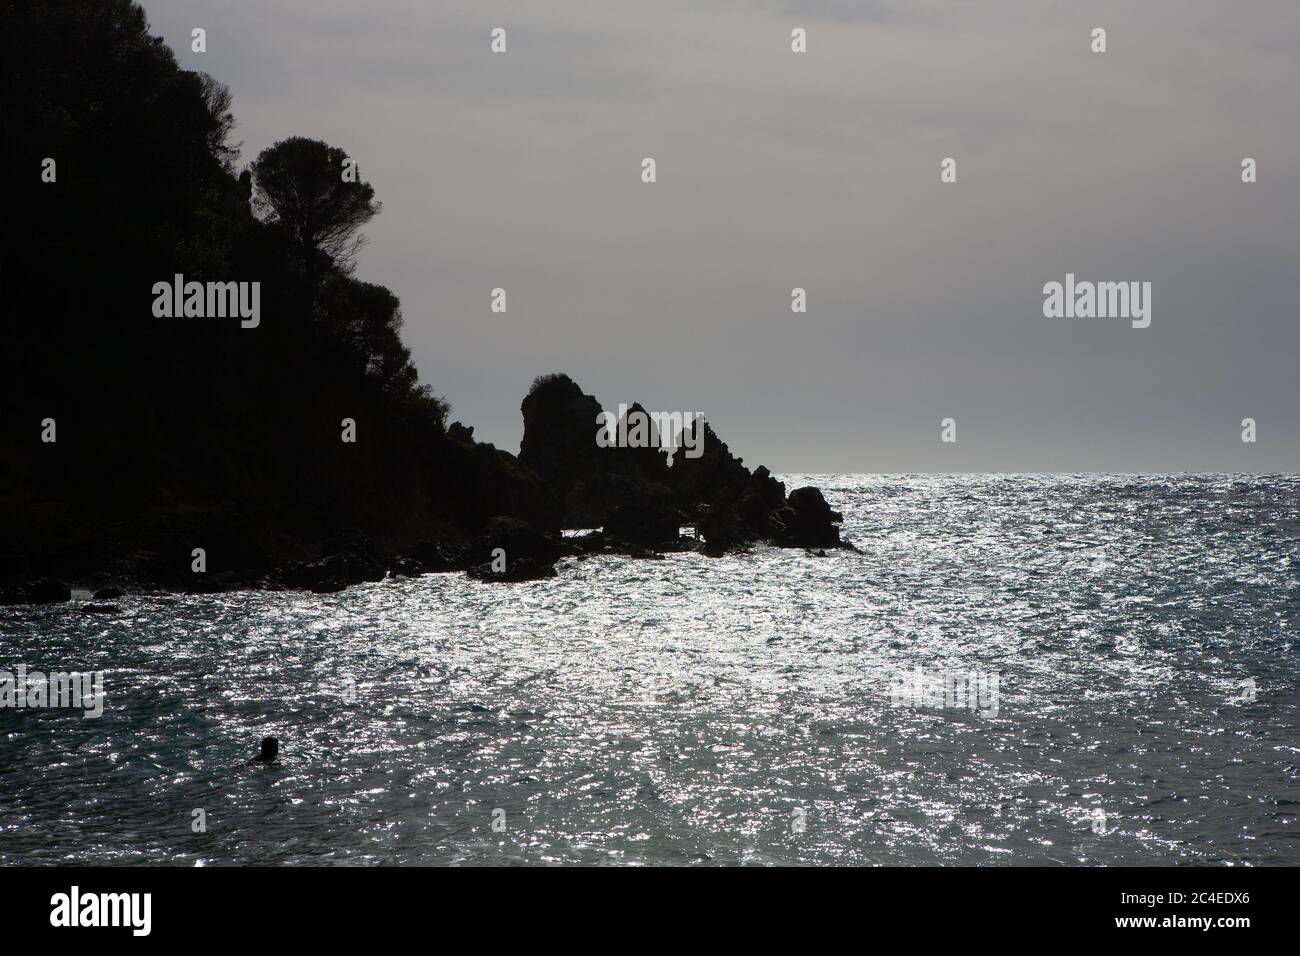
[638, 500]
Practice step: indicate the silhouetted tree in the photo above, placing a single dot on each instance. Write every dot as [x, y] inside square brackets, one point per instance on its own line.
[549, 378]
[216, 98]
[299, 183]
[210, 432]
[367, 319]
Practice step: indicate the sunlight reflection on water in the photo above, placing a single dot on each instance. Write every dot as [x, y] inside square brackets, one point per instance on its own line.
[690, 710]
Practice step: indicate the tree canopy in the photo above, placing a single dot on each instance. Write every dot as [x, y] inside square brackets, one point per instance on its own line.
[304, 185]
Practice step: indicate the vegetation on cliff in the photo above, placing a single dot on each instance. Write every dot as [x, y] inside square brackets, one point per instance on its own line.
[190, 365]
[176, 433]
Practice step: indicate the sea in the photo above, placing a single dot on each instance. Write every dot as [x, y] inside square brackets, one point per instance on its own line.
[1010, 670]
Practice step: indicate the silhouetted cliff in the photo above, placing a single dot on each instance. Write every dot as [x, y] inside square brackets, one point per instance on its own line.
[192, 376]
[559, 444]
[127, 439]
[633, 495]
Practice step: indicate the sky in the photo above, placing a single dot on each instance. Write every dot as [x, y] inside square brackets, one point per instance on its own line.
[820, 170]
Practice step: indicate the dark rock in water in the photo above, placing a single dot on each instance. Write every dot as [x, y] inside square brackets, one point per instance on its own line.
[323, 576]
[559, 444]
[518, 540]
[99, 609]
[741, 508]
[765, 490]
[109, 594]
[357, 559]
[636, 499]
[811, 505]
[804, 521]
[723, 530]
[327, 581]
[349, 559]
[40, 591]
[593, 542]
[435, 557]
[713, 475]
[647, 458]
[809, 521]
[407, 568]
[520, 569]
[649, 524]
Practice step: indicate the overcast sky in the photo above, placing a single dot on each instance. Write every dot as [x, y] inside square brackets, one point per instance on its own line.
[820, 170]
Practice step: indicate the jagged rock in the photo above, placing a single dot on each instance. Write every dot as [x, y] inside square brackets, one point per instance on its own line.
[646, 456]
[109, 594]
[99, 609]
[647, 524]
[559, 444]
[767, 490]
[635, 498]
[811, 505]
[811, 523]
[710, 477]
[722, 530]
[517, 539]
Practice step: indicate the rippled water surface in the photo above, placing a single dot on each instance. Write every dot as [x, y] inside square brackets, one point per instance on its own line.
[693, 710]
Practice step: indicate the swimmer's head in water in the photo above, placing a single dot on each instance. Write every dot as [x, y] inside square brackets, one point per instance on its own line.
[270, 747]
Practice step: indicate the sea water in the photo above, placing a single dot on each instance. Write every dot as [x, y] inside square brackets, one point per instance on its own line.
[1138, 635]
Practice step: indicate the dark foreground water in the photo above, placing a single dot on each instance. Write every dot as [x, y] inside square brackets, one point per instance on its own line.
[1119, 655]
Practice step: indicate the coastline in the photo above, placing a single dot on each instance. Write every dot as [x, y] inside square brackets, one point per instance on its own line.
[639, 497]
